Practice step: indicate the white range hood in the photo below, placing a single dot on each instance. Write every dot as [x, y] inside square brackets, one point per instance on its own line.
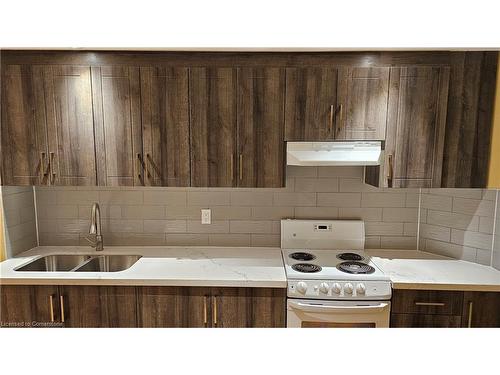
[334, 153]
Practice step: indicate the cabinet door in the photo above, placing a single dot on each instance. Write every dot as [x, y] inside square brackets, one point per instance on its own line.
[116, 100]
[213, 126]
[248, 307]
[481, 309]
[28, 306]
[311, 103]
[363, 95]
[425, 321]
[165, 125]
[174, 307]
[417, 118]
[23, 130]
[96, 306]
[70, 125]
[260, 127]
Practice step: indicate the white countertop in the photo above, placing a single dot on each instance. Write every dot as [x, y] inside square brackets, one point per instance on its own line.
[411, 269]
[246, 267]
[163, 266]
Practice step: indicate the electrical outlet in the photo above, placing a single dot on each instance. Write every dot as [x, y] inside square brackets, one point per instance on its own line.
[206, 216]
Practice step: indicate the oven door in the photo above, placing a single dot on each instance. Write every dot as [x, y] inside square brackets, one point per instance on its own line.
[337, 314]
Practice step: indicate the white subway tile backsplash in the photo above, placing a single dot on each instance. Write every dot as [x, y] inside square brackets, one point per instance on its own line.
[339, 199]
[450, 219]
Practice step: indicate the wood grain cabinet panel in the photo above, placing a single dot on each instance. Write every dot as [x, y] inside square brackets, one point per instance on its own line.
[173, 307]
[248, 308]
[261, 94]
[68, 96]
[98, 306]
[311, 102]
[165, 125]
[425, 321]
[363, 96]
[116, 102]
[416, 125]
[213, 99]
[28, 306]
[430, 302]
[481, 310]
[23, 131]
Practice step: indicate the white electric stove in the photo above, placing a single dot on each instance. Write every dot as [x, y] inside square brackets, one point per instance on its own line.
[332, 282]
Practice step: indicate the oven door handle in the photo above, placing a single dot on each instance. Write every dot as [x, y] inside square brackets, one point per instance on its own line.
[338, 309]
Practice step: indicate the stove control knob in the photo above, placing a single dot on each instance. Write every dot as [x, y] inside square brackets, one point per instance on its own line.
[361, 289]
[302, 287]
[324, 288]
[336, 288]
[348, 288]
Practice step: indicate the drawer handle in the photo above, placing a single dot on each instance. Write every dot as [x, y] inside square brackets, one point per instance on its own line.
[429, 303]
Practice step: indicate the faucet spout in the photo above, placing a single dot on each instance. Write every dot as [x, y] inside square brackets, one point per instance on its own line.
[95, 228]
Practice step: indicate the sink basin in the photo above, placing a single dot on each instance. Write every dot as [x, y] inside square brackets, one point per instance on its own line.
[109, 263]
[54, 263]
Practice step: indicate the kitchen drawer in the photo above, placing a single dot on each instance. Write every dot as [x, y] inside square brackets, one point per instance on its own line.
[425, 321]
[431, 302]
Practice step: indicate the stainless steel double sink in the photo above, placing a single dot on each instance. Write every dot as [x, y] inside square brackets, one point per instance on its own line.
[81, 263]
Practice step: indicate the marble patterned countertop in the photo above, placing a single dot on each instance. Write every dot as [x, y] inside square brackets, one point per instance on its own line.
[245, 267]
[169, 266]
[411, 269]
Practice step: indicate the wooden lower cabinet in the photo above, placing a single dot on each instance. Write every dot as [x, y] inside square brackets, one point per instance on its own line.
[28, 306]
[98, 306]
[425, 321]
[175, 307]
[481, 310]
[248, 308]
[211, 307]
[439, 309]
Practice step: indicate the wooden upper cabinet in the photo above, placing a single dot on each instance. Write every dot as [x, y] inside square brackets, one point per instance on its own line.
[165, 125]
[416, 125]
[213, 96]
[311, 103]
[261, 94]
[24, 134]
[117, 118]
[70, 125]
[363, 97]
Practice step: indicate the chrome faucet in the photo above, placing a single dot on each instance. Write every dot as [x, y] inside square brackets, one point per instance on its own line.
[95, 229]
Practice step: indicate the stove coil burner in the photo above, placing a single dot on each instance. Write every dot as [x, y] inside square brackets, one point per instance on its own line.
[306, 267]
[355, 268]
[350, 256]
[304, 257]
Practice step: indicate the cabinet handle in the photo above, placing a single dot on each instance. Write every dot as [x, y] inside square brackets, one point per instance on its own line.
[429, 303]
[241, 167]
[43, 171]
[51, 166]
[215, 311]
[140, 165]
[205, 315]
[231, 167]
[341, 118]
[390, 173]
[51, 306]
[331, 120]
[61, 299]
[469, 321]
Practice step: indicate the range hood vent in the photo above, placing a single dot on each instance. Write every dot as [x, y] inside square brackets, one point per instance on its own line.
[334, 153]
